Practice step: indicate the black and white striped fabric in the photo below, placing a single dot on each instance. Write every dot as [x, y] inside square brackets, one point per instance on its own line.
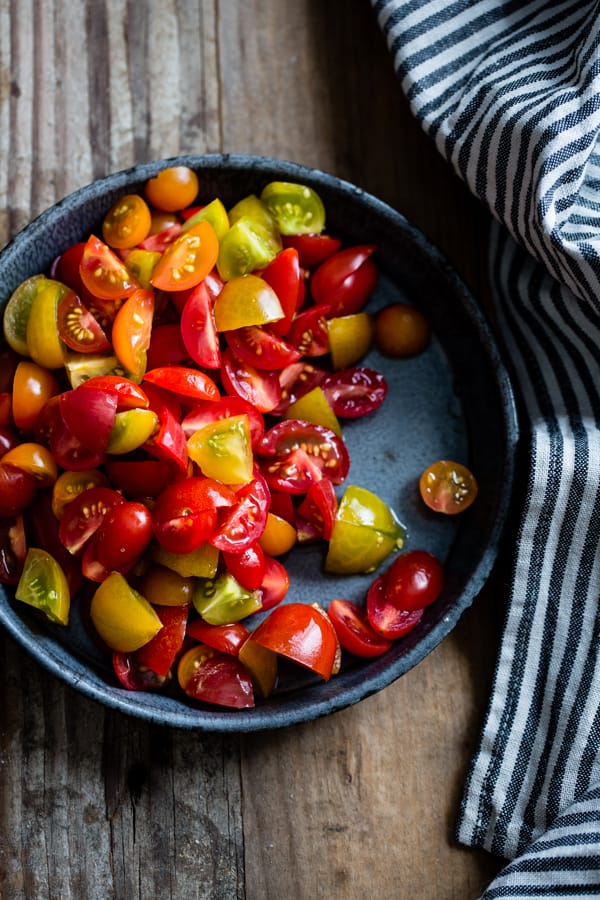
[509, 90]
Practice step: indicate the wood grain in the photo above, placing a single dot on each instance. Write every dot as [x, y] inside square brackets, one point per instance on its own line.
[360, 804]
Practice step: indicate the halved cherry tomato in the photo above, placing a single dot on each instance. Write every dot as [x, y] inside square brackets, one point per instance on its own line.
[388, 620]
[297, 380]
[278, 537]
[218, 678]
[42, 529]
[354, 630]
[131, 332]
[185, 514]
[78, 327]
[355, 392]
[319, 507]
[415, 579]
[183, 381]
[172, 188]
[83, 516]
[260, 388]
[346, 280]
[448, 487]
[243, 525]
[296, 208]
[226, 638]
[188, 259]
[301, 633]
[198, 328]
[297, 453]
[89, 415]
[275, 583]
[103, 273]
[309, 334]
[127, 222]
[262, 665]
[256, 346]
[161, 651]
[312, 249]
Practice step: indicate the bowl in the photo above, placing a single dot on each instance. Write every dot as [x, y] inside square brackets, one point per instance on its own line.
[453, 401]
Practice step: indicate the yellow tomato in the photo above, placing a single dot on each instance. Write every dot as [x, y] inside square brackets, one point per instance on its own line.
[247, 300]
[223, 450]
[123, 617]
[35, 459]
[278, 537]
[350, 338]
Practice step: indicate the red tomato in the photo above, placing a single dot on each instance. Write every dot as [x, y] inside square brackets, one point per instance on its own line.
[129, 395]
[208, 411]
[13, 549]
[123, 535]
[354, 631]
[247, 567]
[296, 381]
[8, 439]
[169, 443]
[141, 477]
[275, 583]
[301, 633]
[84, 515]
[188, 260]
[355, 392]
[131, 332]
[259, 347]
[386, 619]
[166, 346]
[198, 330]
[133, 675]
[296, 454]
[312, 249]
[42, 528]
[319, 507]
[90, 416]
[346, 280]
[308, 333]
[159, 241]
[103, 273]
[217, 678]
[226, 638]
[185, 513]
[66, 448]
[78, 328]
[415, 579]
[283, 274]
[245, 522]
[261, 389]
[183, 381]
[161, 651]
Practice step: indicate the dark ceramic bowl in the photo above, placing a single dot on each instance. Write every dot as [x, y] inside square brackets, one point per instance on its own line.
[454, 402]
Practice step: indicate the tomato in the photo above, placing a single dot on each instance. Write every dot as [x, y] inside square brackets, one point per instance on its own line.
[200, 563]
[248, 245]
[17, 490]
[35, 459]
[161, 651]
[169, 442]
[44, 345]
[78, 328]
[301, 633]
[158, 242]
[283, 274]
[43, 585]
[13, 549]
[226, 638]
[213, 677]
[127, 222]
[133, 675]
[67, 449]
[82, 517]
[140, 477]
[103, 273]
[296, 381]
[131, 429]
[42, 530]
[66, 270]
[259, 347]
[122, 617]
[70, 485]
[198, 328]
[223, 600]
[386, 619]
[166, 346]
[18, 311]
[448, 487]
[246, 300]
[346, 280]
[8, 439]
[354, 630]
[260, 388]
[172, 188]
[312, 249]
[414, 580]
[128, 394]
[262, 665]
[214, 212]
[278, 537]
[247, 567]
[183, 381]
[364, 532]
[187, 260]
[319, 507]
[309, 334]
[297, 453]
[223, 450]
[314, 407]
[355, 392]
[243, 525]
[401, 330]
[296, 208]
[123, 535]
[33, 385]
[89, 415]
[131, 332]
[208, 411]
[164, 587]
[185, 514]
[275, 584]
[350, 338]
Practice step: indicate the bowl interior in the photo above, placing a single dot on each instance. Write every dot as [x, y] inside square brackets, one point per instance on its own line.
[454, 401]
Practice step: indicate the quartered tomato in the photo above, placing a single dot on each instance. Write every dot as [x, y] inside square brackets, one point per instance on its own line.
[259, 387]
[247, 567]
[122, 616]
[169, 442]
[355, 392]
[89, 415]
[166, 346]
[309, 333]
[296, 381]
[103, 273]
[248, 245]
[246, 300]
[188, 259]
[128, 394]
[319, 507]
[187, 383]
[141, 477]
[214, 677]
[388, 620]
[223, 600]
[296, 454]
[131, 332]
[70, 485]
[284, 276]
[448, 487]
[223, 450]
[354, 631]
[161, 651]
[301, 633]
[243, 525]
[226, 638]
[198, 328]
[256, 346]
[78, 328]
[346, 280]
[312, 249]
[35, 459]
[43, 585]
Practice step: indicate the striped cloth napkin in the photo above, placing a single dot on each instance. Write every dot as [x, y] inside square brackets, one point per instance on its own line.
[509, 90]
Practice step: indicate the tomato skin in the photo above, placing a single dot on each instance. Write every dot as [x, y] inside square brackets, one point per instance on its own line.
[198, 329]
[89, 415]
[131, 332]
[17, 490]
[103, 274]
[128, 394]
[185, 514]
[355, 392]
[346, 280]
[172, 189]
[124, 534]
[312, 249]
[188, 260]
[169, 443]
[245, 522]
[183, 381]
[33, 386]
[415, 579]
[247, 567]
[83, 516]
[138, 478]
[226, 638]
[261, 389]
[166, 346]
[213, 677]
[161, 651]
[319, 507]
[275, 583]
[297, 453]
[387, 620]
[448, 487]
[354, 630]
[284, 276]
[401, 331]
[301, 633]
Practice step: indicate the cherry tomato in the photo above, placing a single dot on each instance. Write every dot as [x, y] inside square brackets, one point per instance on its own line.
[103, 273]
[89, 415]
[213, 677]
[122, 617]
[43, 585]
[127, 222]
[401, 330]
[312, 249]
[301, 633]
[123, 535]
[133, 675]
[275, 583]
[262, 665]
[243, 525]
[226, 638]
[42, 529]
[161, 651]
[70, 485]
[260, 388]
[355, 392]
[283, 274]
[319, 507]
[198, 328]
[248, 245]
[131, 332]
[208, 411]
[350, 338]
[414, 580]
[314, 407]
[78, 328]
[35, 459]
[247, 567]
[128, 394]
[185, 515]
[183, 381]
[83, 516]
[172, 188]
[346, 280]
[296, 208]
[308, 333]
[33, 385]
[388, 620]
[222, 450]
[354, 630]
[44, 345]
[295, 381]
[188, 259]
[297, 453]
[18, 312]
[17, 490]
[162, 586]
[448, 487]
[278, 537]
[246, 300]
[169, 442]
[256, 346]
[13, 548]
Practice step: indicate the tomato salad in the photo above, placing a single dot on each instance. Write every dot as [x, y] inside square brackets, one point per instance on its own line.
[172, 400]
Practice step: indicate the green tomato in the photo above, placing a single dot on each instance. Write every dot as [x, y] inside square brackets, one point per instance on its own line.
[365, 531]
[17, 312]
[223, 600]
[296, 208]
[223, 450]
[248, 245]
[215, 213]
[131, 429]
[43, 584]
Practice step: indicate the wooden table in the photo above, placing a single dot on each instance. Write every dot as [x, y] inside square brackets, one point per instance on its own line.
[361, 804]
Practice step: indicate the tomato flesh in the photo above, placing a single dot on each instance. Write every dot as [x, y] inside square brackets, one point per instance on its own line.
[354, 631]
